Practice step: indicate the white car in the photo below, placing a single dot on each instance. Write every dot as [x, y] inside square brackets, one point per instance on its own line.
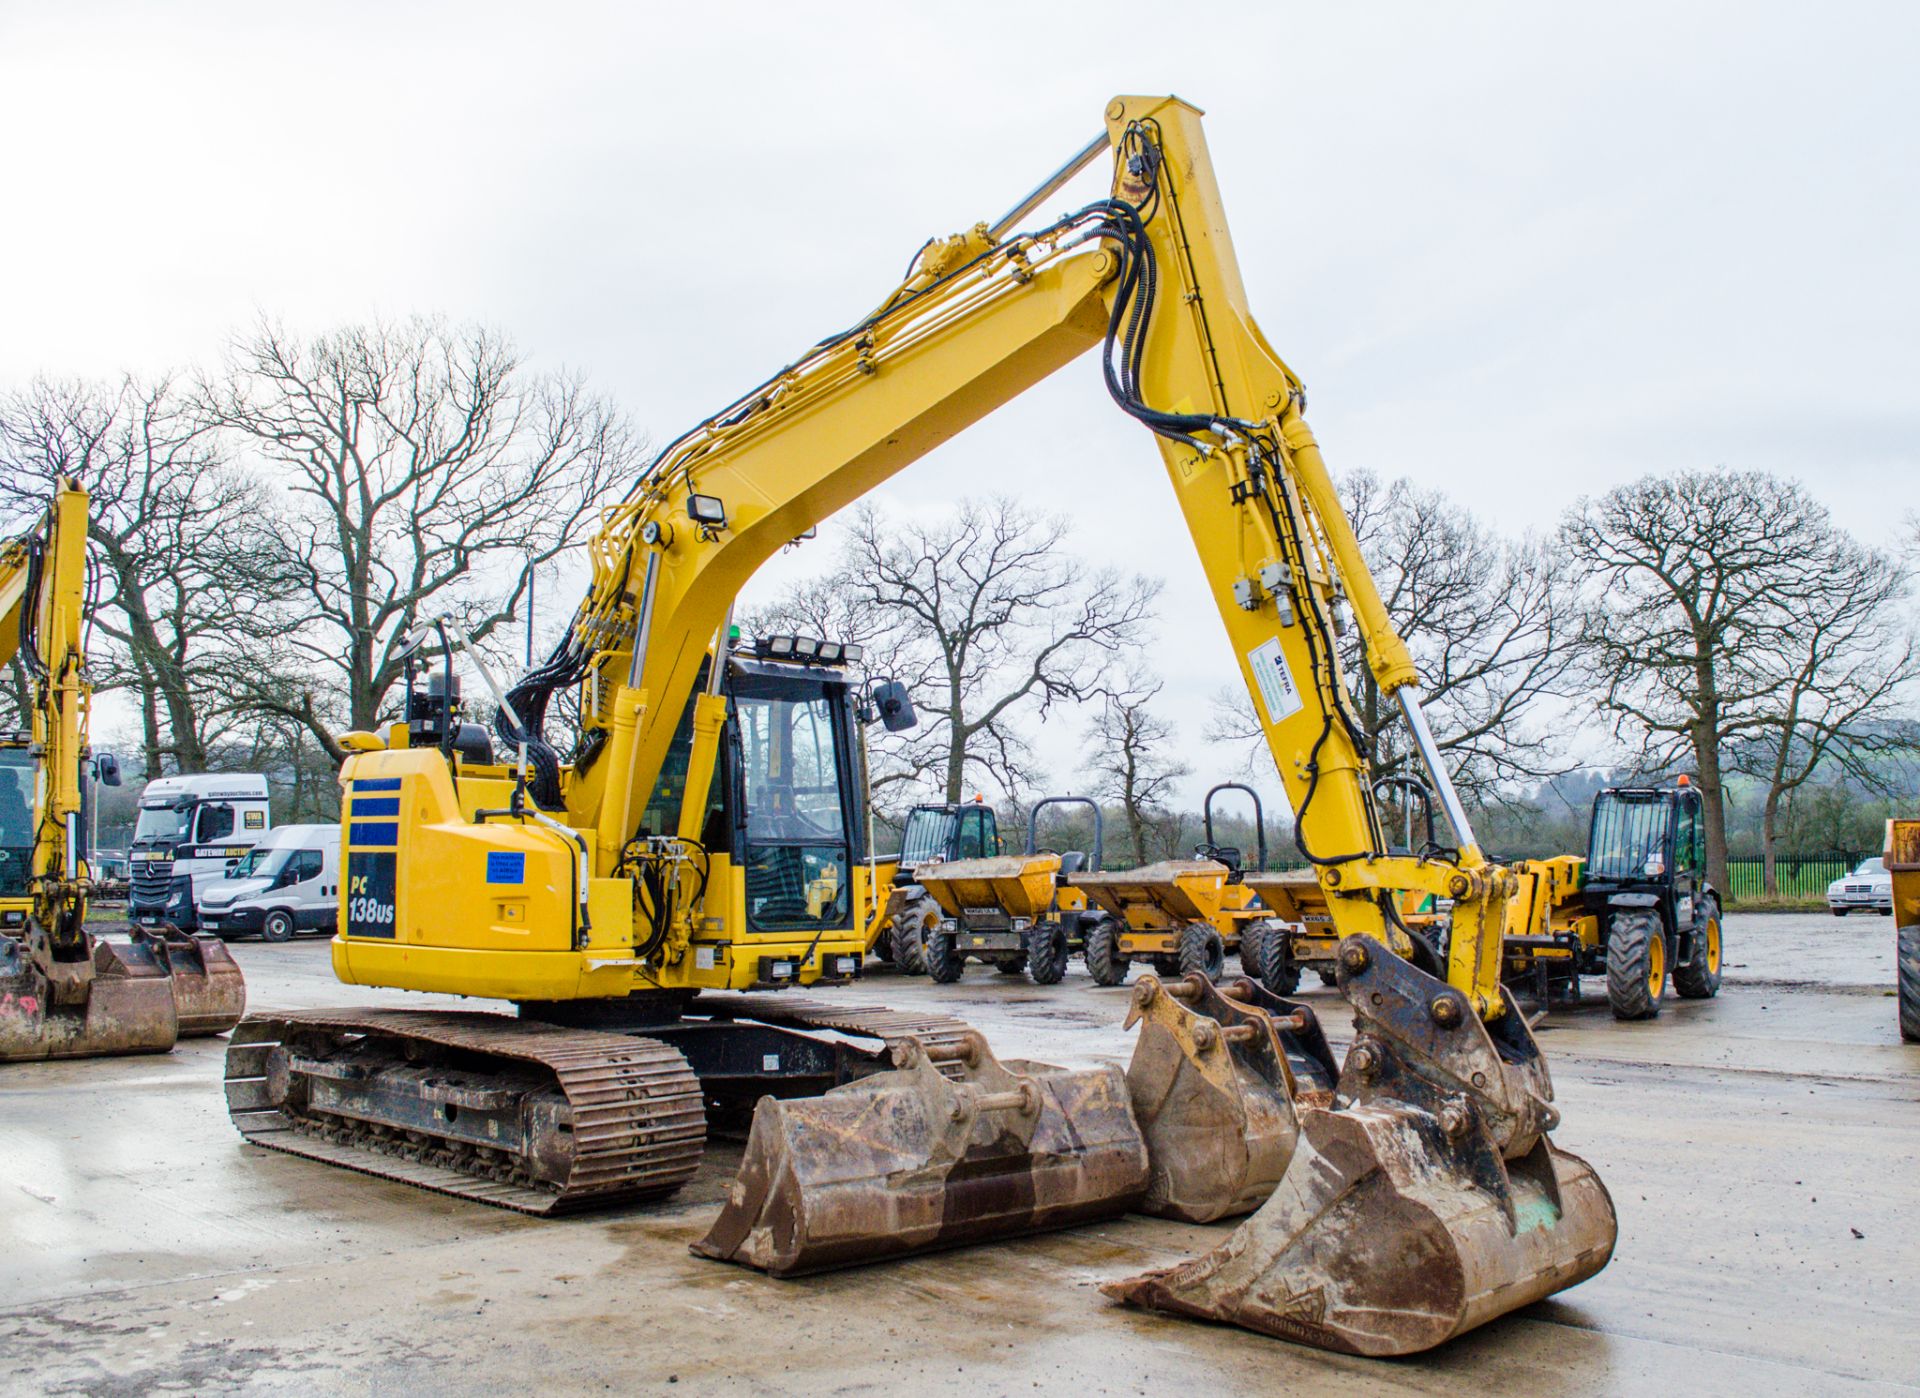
[1868, 887]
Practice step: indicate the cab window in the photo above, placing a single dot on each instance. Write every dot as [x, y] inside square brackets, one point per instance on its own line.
[974, 842]
[215, 823]
[304, 865]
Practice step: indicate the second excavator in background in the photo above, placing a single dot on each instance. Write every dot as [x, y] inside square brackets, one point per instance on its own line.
[64, 992]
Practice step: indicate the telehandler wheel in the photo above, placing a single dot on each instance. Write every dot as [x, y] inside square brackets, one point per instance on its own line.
[1636, 965]
[1013, 965]
[1046, 952]
[1105, 962]
[1328, 976]
[1201, 950]
[1166, 964]
[1698, 977]
[911, 927]
[945, 960]
[1266, 954]
[1907, 981]
[278, 927]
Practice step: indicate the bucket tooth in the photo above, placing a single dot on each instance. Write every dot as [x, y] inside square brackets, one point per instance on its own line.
[1213, 1092]
[209, 993]
[1425, 1202]
[910, 1160]
[117, 1001]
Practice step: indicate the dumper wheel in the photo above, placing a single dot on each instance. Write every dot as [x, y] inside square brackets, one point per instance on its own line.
[911, 925]
[1046, 952]
[1907, 978]
[1266, 954]
[1636, 965]
[1202, 950]
[945, 960]
[1105, 961]
[1698, 977]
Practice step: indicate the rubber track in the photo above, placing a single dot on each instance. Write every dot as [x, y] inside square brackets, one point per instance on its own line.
[639, 1117]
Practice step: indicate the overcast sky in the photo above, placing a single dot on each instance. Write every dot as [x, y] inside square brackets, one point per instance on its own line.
[1519, 252]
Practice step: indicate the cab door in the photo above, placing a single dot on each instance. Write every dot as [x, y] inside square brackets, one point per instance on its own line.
[1689, 855]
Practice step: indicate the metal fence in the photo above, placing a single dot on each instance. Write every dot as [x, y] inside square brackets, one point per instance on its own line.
[1795, 878]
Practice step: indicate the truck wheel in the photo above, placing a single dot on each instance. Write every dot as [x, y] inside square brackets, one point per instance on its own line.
[1698, 978]
[1202, 950]
[945, 960]
[1266, 954]
[908, 935]
[1636, 965]
[1046, 952]
[1105, 963]
[278, 927]
[1907, 979]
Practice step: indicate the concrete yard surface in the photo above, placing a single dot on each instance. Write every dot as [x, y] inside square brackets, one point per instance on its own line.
[1761, 1150]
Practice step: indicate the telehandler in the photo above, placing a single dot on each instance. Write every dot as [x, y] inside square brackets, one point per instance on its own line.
[935, 833]
[65, 993]
[624, 895]
[1638, 909]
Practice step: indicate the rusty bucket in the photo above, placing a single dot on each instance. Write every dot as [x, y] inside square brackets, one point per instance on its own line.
[209, 993]
[1214, 1096]
[1426, 1201]
[910, 1160]
[117, 1001]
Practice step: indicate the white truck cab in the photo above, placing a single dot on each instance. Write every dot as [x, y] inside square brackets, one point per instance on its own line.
[288, 882]
[190, 828]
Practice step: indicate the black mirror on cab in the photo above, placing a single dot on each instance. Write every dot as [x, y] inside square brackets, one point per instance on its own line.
[894, 706]
[106, 769]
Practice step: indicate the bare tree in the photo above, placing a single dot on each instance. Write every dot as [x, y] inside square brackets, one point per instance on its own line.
[1843, 663]
[1129, 755]
[986, 618]
[426, 470]
[1700, 583]
[1488, 620]
[176, 531]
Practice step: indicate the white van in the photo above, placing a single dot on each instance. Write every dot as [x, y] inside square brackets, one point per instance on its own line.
[288, 882]
[190, 831]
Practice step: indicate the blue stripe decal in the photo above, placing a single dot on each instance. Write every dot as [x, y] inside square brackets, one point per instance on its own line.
[376, 805]
[376, 784]
[379, 833]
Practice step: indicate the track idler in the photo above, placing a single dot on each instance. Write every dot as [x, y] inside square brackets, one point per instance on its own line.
[1426, 1201]
[911, 1160]
[1214, 1092]
[115, 1000]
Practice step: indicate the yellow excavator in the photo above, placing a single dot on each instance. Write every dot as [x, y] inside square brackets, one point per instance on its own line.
[651, 899]
[65, 993]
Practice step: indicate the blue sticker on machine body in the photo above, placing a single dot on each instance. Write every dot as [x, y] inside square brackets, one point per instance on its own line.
[506, 866]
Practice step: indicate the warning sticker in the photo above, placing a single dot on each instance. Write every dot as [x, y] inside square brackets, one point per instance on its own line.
[1277, 689]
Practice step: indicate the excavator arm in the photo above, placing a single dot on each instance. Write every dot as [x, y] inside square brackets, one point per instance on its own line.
[43, 579]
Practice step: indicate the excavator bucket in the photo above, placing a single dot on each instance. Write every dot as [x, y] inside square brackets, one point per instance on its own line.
[1425, 1201]
[209, 993]
[1214, 1090]
[911, 1160]
[119, 1001]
